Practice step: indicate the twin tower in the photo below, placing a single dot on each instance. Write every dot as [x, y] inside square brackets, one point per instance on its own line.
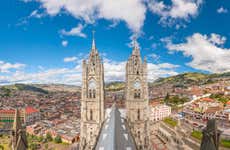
[93, 99]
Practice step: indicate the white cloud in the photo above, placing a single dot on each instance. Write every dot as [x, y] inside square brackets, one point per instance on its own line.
[154, 57]
[26, 1]
[133, 40]
[41, 67]
[57, 75]
[205, 51]
[222, 10]
[156, 71]
[180, 9]
[217, 39]
[77, 31]
[114, 71]
[64, 43]
[5, 67]
[130, 11]
[70, 59]
[35, 14]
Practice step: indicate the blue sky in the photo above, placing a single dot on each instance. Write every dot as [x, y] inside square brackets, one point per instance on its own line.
[44, 41]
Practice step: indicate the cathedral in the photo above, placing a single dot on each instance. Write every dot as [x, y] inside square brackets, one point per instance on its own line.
[93, 119]
[137, 100]
[92, 104]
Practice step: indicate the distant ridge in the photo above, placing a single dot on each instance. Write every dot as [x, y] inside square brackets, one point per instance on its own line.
[191, 78]
[23, 87]
[39, 88]
[180, 80]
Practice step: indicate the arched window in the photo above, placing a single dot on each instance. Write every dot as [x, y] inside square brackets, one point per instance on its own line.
[94, 93]
[137, 93]
[92, 88]
[138, 114]
[137, 89]
[91, 114]
[90, 93]
[139, 134]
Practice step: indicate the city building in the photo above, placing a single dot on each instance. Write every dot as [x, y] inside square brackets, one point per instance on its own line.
[205, 109]
[159, 112]
[31, 115]
[28, 115]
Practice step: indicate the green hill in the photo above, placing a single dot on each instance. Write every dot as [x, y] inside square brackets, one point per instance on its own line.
[22, 87]
[181, 80]
[193, 78]
[25, 87]
[115, 86]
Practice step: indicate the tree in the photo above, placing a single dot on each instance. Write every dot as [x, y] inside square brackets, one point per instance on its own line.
[167, 97]
[1, 147]
[46, 146]
[33, 146]
[40, 139]
[57, 139]
[49, 137]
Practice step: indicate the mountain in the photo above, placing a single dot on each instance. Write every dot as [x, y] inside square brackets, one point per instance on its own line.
[191, 78]
[115, 86]
[181, 80]
[22, 87]
[59, 87]
[37, 88]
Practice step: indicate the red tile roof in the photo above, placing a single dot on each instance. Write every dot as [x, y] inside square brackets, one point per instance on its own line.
[228, 103]
[30, 110]
[7, 111]
[207, 99]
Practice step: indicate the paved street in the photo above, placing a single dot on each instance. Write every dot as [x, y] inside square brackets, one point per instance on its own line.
[115, 134]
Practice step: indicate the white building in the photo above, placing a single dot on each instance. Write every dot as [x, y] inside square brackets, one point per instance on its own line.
[159, 112]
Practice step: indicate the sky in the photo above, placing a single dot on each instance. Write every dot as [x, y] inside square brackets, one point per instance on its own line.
[45, 41]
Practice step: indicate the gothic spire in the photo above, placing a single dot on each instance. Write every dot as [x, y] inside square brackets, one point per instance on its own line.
[93, 43]
[136, 50]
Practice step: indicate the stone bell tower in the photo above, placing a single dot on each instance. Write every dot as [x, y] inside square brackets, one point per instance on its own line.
[18, 138]
[137, 98]
[92, 99]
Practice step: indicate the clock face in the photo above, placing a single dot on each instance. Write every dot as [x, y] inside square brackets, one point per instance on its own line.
[137, 85]
[92, 84]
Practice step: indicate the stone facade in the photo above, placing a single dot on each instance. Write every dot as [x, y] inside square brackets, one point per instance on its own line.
[18, 137]
[137, 99]
[92, 103]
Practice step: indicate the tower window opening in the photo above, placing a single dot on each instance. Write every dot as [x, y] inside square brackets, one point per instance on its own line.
[94, 93]
[91, 114]
[138, 114]
[139, 134]
[137, 94]
[90, 94]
